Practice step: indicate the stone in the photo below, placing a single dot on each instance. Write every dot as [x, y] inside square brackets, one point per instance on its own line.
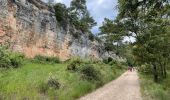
[30, 27]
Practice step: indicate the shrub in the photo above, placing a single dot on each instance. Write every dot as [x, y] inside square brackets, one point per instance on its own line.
[72, 67]
[4, 57]
[45, 59]
[112, 62]
[74, 64]
[10, 59]
[110, 59]
[145, 69]
[107, 60]
[16, 59]
[52, 82]
[90, 73]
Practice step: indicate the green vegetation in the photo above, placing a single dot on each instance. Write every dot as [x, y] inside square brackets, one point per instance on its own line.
[46, 59]
[148, 22]
[10, 59]
[76, 15]
[46, 78]
[154, 91]
[61, 13]
[40, 81]
[113, 32]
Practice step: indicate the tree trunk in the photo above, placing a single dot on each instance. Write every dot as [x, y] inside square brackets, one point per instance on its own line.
[161, 70]
[155, 73]
[164, 69]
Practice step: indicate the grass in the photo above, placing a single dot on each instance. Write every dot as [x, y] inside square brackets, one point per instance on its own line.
[30, 82]
[154, 91]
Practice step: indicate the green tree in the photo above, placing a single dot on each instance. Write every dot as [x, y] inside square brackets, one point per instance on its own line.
[61, 13]
[80, 16]
[149, 20]
[113, 32]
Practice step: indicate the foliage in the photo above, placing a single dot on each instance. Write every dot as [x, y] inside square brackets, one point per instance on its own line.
[76, 16]
[32, 79]
[53, 82]
[61, 13]
[113, 32]
[10, 59]
[148, 20]
[46, 59]
[80, 16]
[16, 59]
[74, 64]
[145, 69]
[91, 37]
[107, 60]
[90, 73]
[154, 91]
[110, 59]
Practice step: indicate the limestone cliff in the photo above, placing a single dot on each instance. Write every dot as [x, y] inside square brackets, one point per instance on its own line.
[29, 26]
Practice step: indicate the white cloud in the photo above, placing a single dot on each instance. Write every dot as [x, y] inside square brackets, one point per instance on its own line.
[100, 2]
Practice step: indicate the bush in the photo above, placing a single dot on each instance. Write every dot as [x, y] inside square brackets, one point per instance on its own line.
[110, 59]
[10, 59]
[74, 64]
[90, 73]
[45, 59]
[16, 59]
[52, 82]
[145, 69]
[112, 63]
[107, 60]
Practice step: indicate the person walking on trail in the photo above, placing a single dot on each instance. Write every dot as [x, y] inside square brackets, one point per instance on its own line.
[130, 67]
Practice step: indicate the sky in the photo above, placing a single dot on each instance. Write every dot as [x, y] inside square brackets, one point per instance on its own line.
[99, 9]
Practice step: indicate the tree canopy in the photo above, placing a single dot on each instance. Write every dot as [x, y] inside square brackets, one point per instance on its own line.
[149, 20]
[77, 15]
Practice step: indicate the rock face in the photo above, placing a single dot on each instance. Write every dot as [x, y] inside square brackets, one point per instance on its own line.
[30, 27]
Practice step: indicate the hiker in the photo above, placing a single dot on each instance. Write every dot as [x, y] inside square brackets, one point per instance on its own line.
[130, 68]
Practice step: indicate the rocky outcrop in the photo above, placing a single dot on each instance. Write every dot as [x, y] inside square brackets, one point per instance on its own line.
[30, 27]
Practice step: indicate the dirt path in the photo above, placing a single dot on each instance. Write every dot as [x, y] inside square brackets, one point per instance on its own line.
[126, 87]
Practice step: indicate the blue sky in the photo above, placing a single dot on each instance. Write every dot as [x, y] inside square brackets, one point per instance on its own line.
[99, 9]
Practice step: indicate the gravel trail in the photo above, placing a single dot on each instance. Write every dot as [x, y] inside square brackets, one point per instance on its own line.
[126, 87]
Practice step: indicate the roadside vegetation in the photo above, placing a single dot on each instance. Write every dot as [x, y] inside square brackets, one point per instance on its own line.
[154, 91]
[49, 78]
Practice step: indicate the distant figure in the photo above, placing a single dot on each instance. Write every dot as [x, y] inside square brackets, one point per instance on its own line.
[130, 68]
